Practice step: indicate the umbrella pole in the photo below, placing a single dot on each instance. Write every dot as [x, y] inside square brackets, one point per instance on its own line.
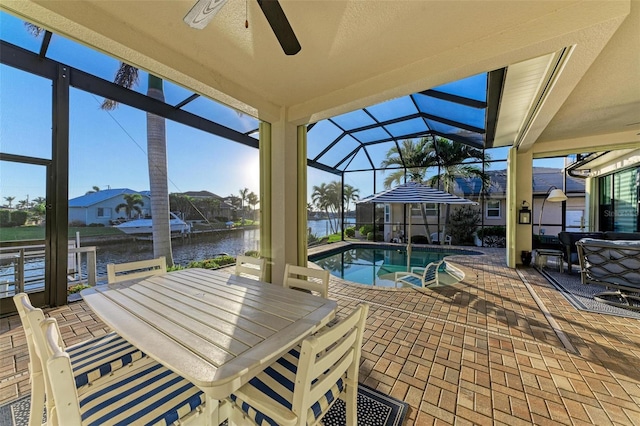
[409, 242]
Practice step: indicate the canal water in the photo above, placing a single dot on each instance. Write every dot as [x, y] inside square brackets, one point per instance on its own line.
[232, 242]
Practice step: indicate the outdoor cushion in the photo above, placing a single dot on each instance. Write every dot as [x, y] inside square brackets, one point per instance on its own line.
[277, 383]
[101, 356]
[151, 395]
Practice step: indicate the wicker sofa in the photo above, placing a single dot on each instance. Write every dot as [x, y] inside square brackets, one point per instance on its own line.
[613, 264]
[568, 242]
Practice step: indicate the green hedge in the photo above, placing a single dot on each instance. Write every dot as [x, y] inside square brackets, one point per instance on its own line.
[11, 218]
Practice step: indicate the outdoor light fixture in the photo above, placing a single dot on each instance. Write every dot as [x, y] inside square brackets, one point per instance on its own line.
[554, 195]
[524, 216]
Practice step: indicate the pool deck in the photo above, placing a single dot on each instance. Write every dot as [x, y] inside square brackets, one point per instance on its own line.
[501, 347]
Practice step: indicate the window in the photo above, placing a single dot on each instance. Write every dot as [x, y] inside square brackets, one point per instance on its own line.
[387, 213]
[430, 208]
[493, 209]
[104, 212]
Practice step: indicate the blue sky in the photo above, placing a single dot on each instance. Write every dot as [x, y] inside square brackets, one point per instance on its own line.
[108, 149]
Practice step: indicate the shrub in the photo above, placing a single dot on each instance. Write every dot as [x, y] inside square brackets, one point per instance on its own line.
[213, 263]
[175, 268]
[419, 239]
[77, 223]
[13, 218]
[350, 232]
[5, 218]
[492, 231]
[365, 229]
[96, 225]
[77, 288]
[493, 236]
[463, 223]
[252, 253]
[378, 236]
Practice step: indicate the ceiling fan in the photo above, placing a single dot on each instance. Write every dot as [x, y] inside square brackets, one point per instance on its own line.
[204, 10]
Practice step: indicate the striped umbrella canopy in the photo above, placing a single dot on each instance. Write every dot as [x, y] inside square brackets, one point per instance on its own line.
[414, 193]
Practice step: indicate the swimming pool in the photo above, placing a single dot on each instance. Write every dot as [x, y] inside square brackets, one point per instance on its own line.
[377, 265]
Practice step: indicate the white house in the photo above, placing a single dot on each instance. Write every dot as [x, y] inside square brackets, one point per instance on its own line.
[100, 207]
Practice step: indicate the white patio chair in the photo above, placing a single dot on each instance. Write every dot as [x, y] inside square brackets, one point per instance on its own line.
[149, 394]
[251, 267]
[93, 360]
[448, 240]
[117, 272]
[300, 387]
[311, 279]
[429, 275]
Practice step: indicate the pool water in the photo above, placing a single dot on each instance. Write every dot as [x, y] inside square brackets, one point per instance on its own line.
[377, 266]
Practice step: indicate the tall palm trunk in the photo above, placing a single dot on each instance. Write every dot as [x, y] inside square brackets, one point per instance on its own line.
[157, 158]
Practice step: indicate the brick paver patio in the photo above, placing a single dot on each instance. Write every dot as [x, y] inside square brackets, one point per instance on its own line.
[482, 351]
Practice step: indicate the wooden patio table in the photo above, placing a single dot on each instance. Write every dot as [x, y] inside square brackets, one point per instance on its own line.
[216, 330]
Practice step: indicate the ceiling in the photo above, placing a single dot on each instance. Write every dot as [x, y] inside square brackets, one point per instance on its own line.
[572, 67]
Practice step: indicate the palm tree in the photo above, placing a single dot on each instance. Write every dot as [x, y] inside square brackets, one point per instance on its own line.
[410, 156]
[127, 76]
[23, 204]
[449, 156]
[93, 190]
[253, 200]
[10, 200]
[39, 200]
[132, 203]
[243, 199]
[327, 198]
[350, 194]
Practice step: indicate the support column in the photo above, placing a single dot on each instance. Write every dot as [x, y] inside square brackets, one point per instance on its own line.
[303, 233]
[283, 175]
[519, 189]
[265, 195]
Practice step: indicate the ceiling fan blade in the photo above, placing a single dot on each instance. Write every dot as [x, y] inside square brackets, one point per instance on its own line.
[280, 26]
[203, 12]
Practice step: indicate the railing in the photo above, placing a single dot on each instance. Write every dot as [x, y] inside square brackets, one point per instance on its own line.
[22, 268]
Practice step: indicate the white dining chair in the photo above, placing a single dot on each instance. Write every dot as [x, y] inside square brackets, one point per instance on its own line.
[117, 272]
[94, 360]
[149, 394]
[300, 387]
[311, 279]
[252, 267]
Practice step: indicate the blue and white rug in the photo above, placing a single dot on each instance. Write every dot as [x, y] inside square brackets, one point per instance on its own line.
[374, 409]
[581, 296]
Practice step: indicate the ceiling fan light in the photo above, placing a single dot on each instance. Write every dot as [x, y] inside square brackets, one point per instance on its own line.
[203, 12]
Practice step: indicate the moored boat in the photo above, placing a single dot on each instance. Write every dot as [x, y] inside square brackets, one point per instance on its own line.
[145, 226]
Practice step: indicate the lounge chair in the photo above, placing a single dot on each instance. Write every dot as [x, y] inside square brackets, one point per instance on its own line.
[428, 277]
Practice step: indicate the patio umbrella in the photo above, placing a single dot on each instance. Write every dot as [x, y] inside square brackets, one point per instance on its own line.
[414, 193]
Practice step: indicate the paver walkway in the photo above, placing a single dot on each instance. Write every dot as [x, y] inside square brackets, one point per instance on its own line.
[482, 351]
